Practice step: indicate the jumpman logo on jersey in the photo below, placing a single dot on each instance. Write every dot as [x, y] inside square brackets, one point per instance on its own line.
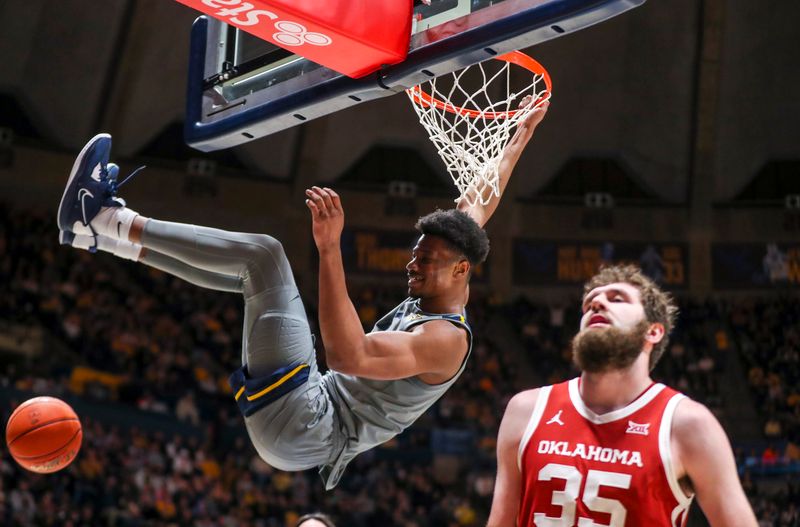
[556, 419]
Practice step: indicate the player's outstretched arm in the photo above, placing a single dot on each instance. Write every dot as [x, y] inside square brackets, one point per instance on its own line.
[481, 213]
[704, 455]
[508, 485]
[383, 355]
[338, 319]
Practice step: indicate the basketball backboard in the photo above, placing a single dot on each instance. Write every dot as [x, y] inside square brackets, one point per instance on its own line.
[241, 88]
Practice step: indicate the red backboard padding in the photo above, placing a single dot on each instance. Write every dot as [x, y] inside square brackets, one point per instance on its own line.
[353, 37]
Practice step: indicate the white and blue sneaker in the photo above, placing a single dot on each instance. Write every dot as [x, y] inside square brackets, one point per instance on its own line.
[87, 242]
[113, 172]
[92, 185]
[88, 188]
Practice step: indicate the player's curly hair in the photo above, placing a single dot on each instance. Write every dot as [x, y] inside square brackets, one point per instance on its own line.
[659, 306]
[459, 230]
[322, 518]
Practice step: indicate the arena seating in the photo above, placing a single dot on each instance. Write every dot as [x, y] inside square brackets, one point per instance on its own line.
[145, 357]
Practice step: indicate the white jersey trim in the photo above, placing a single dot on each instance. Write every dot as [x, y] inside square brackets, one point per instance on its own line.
[598, 419]
[665, 449]
[533, 422]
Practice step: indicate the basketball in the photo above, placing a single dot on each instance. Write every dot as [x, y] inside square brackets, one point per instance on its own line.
[44, 434]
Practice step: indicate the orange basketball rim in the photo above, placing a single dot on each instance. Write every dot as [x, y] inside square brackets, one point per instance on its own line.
[421, 97]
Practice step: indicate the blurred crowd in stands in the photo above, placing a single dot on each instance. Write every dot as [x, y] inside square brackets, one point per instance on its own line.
[120, 333]
[768, 337]
[692, 363]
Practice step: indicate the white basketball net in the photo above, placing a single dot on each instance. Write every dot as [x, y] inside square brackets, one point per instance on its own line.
[471, 130]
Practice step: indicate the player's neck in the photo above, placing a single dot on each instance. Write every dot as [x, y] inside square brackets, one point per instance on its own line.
[609, 391]
[451, 302]
[441, 305]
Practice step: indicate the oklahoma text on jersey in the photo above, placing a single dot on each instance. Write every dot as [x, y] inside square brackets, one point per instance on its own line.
[597, 453]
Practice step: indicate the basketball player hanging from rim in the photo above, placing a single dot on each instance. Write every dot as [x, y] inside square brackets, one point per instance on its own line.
[379, 383]
[612, 447]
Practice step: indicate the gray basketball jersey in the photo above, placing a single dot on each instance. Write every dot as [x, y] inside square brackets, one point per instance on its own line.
[371, 411]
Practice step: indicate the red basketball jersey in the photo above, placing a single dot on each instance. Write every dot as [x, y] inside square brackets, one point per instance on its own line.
[581, 469]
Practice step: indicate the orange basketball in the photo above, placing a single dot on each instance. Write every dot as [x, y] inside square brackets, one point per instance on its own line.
[44, 434]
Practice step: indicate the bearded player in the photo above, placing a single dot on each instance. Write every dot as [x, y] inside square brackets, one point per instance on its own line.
[612, 447]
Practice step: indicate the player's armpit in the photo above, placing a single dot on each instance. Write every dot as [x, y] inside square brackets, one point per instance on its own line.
[508, 484]
[705, 457]
[433, 350]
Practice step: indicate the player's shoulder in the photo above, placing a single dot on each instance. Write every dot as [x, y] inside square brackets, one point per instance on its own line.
[698, 439]
[518, 412]
[523, 402]
[692, 418]
[440, 333]
[526, 400]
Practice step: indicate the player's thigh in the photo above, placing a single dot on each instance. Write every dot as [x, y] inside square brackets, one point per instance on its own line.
[296, 432]
[277, 332]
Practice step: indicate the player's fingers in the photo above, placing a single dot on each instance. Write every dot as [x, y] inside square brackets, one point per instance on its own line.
[314, 194]
[538, 114]
[336, 201]
[526, 101]
[315, 199]
[326, 198]
[313, 208]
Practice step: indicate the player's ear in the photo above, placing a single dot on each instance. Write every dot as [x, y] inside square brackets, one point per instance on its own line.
[655, 333]
[461, 268]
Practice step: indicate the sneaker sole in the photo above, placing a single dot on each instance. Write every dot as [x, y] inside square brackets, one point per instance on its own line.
[75, 166]
[65, 237]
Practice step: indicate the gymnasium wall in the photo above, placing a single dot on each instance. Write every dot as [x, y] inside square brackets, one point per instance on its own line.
[36, 177]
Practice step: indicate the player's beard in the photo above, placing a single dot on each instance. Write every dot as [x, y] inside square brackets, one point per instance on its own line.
[608, 349]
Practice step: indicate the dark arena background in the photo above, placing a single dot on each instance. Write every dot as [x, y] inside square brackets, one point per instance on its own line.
[672, 142]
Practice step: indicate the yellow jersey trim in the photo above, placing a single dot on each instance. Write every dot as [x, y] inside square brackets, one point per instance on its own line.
[271, 386]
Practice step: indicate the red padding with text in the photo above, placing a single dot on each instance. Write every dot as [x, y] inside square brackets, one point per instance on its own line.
[353, 37]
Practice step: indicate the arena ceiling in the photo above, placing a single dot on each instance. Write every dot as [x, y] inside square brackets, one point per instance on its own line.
[687, 97]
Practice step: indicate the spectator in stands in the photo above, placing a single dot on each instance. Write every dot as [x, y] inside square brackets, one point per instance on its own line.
[186, 409]
[769, 456]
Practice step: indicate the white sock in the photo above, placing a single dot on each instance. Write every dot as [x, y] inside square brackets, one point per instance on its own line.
[114, 222]
[121, 248]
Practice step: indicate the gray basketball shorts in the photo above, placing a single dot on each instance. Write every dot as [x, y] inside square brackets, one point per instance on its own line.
[289, 417]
